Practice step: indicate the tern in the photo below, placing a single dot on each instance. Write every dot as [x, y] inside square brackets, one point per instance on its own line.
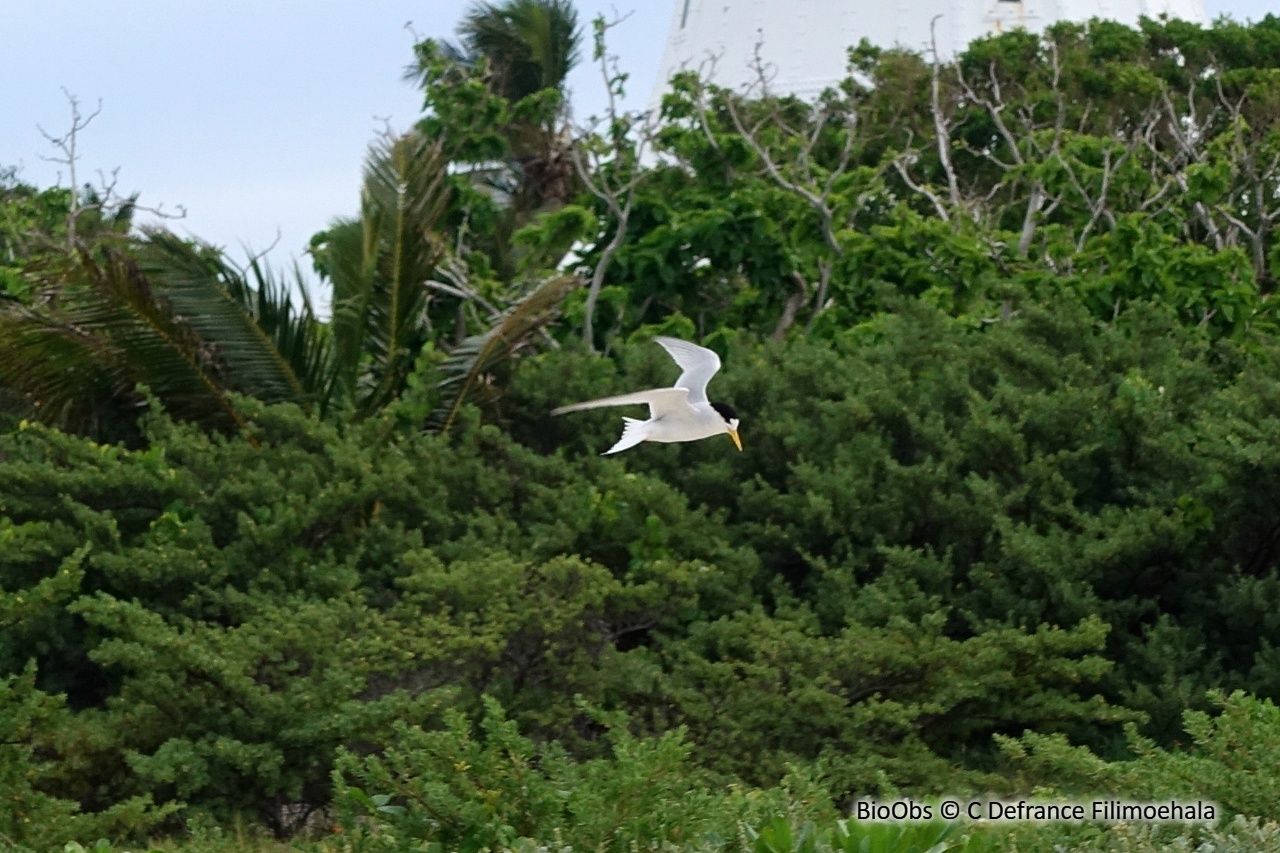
[680, 413]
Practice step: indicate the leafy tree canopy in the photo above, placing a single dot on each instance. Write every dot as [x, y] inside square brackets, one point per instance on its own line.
[1002, 333]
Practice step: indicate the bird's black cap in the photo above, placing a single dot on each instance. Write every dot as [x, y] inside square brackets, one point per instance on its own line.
[726, 411]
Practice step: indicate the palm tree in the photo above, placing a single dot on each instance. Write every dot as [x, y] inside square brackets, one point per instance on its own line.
[468, 366]
[174, 316]
[530, 45]
[386, 268]
[164, 313]
[119, 312]
[379, 264]
[524, 51]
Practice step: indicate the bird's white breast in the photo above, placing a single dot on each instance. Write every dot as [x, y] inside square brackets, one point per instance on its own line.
[703, 422]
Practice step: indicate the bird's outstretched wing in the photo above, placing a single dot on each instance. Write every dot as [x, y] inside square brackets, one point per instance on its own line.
[698, 365]
[661, 401]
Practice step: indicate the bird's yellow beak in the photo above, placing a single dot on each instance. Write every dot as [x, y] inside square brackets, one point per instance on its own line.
[737, 442]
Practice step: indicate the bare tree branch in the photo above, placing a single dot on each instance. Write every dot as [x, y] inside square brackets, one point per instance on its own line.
[899, 163]
[610, 171]
[942, 133]
[105, 200]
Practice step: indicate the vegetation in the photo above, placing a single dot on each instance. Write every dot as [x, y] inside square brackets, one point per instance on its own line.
[1003, 338]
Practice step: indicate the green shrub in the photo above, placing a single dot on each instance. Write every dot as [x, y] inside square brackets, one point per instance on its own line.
[1238, 835]
[459, 789]
[1232, 763]
[1040, 470]
[31, 818]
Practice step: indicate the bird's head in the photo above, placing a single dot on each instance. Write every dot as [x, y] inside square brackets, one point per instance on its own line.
[730, 421]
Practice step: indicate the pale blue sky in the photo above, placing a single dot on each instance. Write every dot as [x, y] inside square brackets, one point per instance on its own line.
[255, 114]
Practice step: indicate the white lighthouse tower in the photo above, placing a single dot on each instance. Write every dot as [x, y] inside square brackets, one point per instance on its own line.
[803, 43]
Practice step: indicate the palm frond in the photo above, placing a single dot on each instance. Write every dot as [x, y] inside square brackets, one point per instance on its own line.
[62, 375]
[550, 29]
[349, 261]
[159, 345]
[427, 54]
[406, 192]
[530, 44]
[107, 332]
[295, 331]
[272, 350]
[466, 368]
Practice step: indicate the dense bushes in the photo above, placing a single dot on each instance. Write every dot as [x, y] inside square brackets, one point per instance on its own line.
[492, 788]
[468, 788]
[938, 532]
[248, 605]
[1003, 522]
[1033, 472]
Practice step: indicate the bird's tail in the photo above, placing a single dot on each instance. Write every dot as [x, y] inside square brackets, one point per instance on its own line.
[633, 433]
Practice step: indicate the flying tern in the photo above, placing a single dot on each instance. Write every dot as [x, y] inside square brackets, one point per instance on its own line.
[680, 413]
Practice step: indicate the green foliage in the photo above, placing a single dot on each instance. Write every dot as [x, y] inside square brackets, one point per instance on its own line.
[251, 604]
[74, 377]
[467, 365]
[1231, 763]
[1038, 471]
[1238, 835]
[531, 45]
[272, 349]
[466, 790]
[1085, 158]
[851, 836]
[224, 636]
[882, 708]
[143, 312]
[1001, 335]
[940, 531]
[30, 817]
[496, 104]
[26, 813]
[32, 222]
[377, 266]
[550, 237]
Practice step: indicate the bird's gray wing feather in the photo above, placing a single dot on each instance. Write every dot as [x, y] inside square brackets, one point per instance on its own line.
[661, 401]
[697, 365]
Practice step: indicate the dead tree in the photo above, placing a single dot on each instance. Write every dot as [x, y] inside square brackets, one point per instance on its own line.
[104, 199]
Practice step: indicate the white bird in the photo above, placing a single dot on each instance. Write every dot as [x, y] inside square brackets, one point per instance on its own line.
[680, 413]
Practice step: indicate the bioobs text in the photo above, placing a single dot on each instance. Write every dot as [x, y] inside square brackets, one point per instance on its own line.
[907, 809]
